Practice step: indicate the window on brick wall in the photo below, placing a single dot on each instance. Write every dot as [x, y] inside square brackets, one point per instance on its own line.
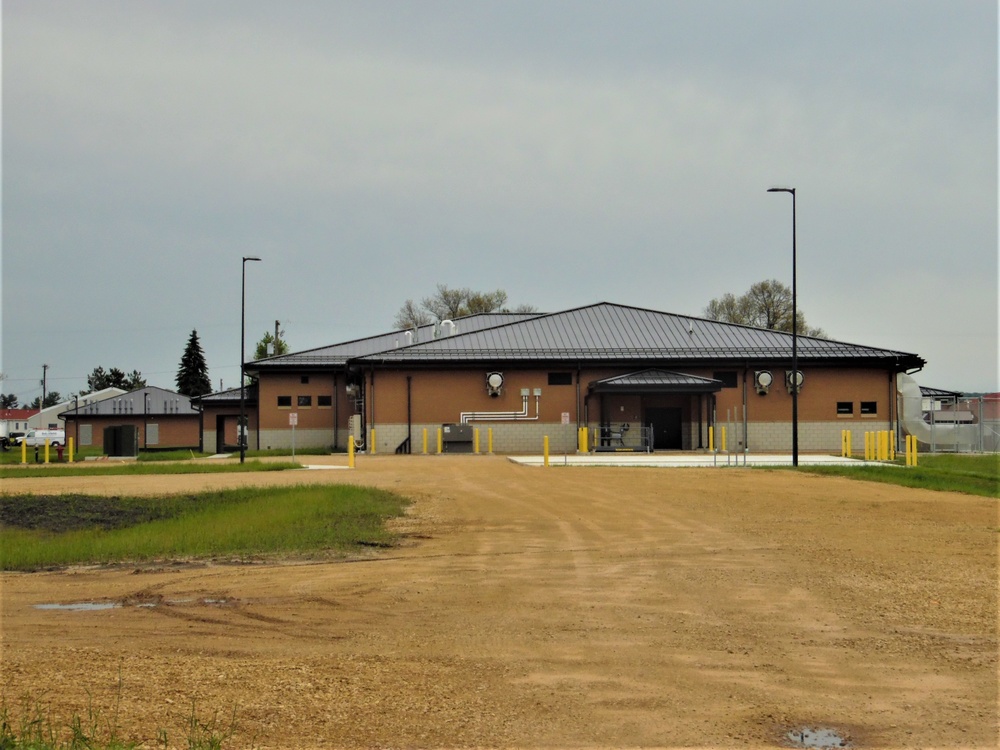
[869, 407]
[560, 378]
[324, 402]
[305, 402]
[305, 380]
[845, 407]
[284, 402]
[728, 378]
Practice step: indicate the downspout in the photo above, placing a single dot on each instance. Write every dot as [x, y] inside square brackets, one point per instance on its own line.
[746, 435]
[257, 412]
[409, 413]
[371, 425]
[578, 398]
[336, 410]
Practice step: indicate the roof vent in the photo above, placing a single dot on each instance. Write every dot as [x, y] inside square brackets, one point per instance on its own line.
[450, 325]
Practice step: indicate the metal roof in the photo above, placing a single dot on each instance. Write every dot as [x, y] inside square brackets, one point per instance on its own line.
[340, 354]
[652, 380]
[148, 400]
[231, 395]
[607, 332]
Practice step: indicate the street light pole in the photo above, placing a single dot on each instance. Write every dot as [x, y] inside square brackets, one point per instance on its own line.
[241, 433]
[795, 343]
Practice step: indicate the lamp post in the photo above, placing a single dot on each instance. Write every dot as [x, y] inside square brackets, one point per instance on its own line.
[240, 431]
[795, 342]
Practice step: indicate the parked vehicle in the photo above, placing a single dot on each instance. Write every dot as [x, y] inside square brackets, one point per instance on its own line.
[38, 437]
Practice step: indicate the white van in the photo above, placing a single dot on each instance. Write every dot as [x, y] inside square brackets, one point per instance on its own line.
[38, 437]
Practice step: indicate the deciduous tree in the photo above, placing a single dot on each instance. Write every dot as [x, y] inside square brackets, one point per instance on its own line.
[767, 304]
[98, 380]
[269, 346]
[447, 303]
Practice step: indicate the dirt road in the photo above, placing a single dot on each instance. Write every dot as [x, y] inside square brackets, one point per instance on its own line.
[558, 607]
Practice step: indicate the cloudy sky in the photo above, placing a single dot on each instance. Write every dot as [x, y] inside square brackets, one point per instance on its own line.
[569, 152]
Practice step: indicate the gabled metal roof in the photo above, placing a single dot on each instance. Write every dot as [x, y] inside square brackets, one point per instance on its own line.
[607, 332]
[149, 400]
[340, 354]
[653, 380]
[229, 396]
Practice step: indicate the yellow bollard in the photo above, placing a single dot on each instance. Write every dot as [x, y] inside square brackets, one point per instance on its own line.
[867, 445]
[475, 440]
[850, 452]
[425, 441]
[585, 444]
[70, 445]
[545, 449]
[46, 450]
[489, 440]
[350, 452]
[711, 440]
[440, 440]
[24, 452]
[371, 444]
[722, 439]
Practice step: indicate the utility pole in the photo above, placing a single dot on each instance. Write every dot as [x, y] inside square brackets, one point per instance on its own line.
[41, 404]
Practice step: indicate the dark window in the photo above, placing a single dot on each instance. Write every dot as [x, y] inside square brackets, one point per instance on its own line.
[560, 378]
[305, 401]
[728, 378]
[869, 407]
[845, 407]
[284, 401]
[324, 401]
[305, 380]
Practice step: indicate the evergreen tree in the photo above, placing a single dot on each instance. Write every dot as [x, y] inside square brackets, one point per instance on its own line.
[98, 380]
[192, 375]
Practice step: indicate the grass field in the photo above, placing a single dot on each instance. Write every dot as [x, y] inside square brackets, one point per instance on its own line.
[971, 474]
[133, 469]
[39, 532]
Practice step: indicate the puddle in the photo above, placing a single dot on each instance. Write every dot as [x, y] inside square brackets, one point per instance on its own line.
[141, 604]
[79, 606]
[818, 738]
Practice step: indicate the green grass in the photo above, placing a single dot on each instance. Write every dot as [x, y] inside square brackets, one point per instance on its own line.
[116, 468]
[248, 523]
[969, 474]
[31, 726]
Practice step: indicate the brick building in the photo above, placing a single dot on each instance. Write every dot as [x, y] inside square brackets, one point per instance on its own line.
[631, 376]
[162, 420]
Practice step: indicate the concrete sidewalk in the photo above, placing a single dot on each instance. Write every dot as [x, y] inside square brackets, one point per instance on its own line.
[699, 460]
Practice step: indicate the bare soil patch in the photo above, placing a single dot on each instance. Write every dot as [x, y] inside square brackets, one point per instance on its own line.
[559, 607]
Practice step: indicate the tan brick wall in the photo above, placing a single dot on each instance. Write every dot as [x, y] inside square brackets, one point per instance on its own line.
[441, 396]
[174, 432]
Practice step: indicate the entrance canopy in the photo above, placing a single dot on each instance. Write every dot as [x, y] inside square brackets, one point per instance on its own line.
[656, 381]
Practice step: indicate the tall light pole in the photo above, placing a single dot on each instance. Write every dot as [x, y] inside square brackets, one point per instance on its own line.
[795, 342]
[241, 433]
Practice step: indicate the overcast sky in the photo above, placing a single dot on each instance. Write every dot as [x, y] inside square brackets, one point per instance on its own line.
[567, 152]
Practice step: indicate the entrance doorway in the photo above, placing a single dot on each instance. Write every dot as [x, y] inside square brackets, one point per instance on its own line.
[666, 424]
